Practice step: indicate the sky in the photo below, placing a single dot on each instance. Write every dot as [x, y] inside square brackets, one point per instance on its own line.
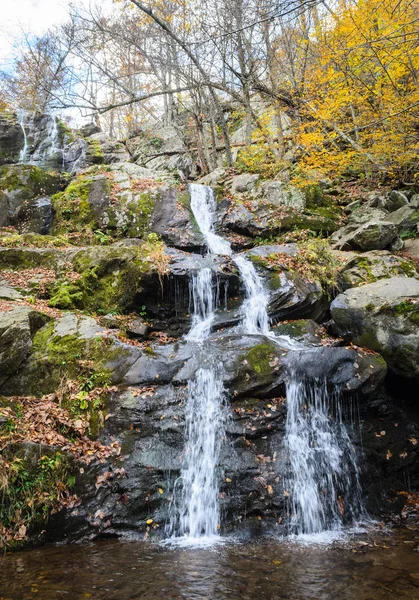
[34, 16]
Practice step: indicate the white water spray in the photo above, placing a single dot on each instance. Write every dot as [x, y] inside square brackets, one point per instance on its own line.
[24, 151]
[324, 486]
[254, 308]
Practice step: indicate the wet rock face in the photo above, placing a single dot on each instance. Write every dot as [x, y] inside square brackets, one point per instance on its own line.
[11, 138]
[384, 317]
[172, 220]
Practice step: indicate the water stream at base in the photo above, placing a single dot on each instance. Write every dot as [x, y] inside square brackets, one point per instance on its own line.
[324, 478]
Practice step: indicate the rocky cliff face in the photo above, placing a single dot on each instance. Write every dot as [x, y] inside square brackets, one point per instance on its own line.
[94, 303]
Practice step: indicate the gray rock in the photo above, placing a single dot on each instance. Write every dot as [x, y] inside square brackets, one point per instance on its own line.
[172, 220]
[244, 183]
[23, 192]
[282, 194]
[11, 138]
[17, 328]
[137, 329]
[369, 267]
[372, 235]
[383, 316]
[406, 218]
[7, 292]
[391, 201]
[214, 178]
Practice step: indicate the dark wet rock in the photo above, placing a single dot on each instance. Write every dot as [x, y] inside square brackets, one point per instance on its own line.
[11, 138]
[172, 220]
[348, 369]
[34, 216]
[383, 316]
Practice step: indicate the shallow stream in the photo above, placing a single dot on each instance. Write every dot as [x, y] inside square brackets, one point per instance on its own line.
[387, 569]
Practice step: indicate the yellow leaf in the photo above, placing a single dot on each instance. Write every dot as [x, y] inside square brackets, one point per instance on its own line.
[149, 521]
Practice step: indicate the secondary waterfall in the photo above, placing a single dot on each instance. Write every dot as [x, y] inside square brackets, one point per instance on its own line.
[324, 484]
[23, 152]
[42, 143]
[324, 479]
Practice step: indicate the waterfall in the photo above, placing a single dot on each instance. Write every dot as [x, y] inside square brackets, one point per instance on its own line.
[324, 486]
[42, 144]
[254, 308]
[204, 305]
[205, 416]
[23, 152]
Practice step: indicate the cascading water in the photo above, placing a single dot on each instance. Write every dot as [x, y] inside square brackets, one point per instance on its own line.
[205, 416]
[195, 510]
[42, 143]
[24, 151]
[324, 484]
[254, 309]
[324, 479]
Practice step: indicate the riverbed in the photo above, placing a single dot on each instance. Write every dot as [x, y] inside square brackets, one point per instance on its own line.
[386, 567]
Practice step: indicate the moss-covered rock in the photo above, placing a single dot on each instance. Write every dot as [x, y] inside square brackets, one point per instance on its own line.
[11, 138]
[111, 278]
[383, 316]
[18, 327]
[22, 185]
[369, 267]
[59, 351]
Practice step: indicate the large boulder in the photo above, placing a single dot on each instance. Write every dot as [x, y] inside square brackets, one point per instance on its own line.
[268, 208]
[46, 352]
[372, 235]
[383, 316]
[118, 201]
[17, 330]
[172, 219]
[11, 138]
[24, 201]
[368, 267]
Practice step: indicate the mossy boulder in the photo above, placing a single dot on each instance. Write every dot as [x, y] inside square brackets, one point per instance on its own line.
[383, 316]
[18, 328]
[369, 267]
[30, 258]
[21, 188]
[59, 351]
[111, 278]
[117, 201]
[266, 216]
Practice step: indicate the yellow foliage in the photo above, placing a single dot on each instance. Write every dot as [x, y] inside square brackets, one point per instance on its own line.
[363, 82]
